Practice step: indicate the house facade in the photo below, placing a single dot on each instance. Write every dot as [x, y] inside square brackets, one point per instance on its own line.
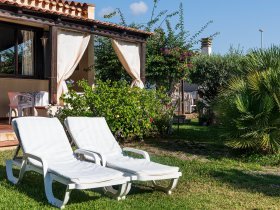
[43, 43]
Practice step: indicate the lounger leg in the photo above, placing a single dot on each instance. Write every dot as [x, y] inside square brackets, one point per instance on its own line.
[119, 193]
[128, 187]
[169, 188]
[10, 174]
[48, 181]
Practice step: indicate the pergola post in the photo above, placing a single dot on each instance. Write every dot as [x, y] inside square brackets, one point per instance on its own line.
[53, 59]
[143, 62]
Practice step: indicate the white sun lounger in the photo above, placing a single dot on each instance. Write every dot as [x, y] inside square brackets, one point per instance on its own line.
[46, 150]
[94, 135]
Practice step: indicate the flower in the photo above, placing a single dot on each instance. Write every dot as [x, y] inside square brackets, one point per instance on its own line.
[189, 65]
[165, 51]
[189, 54]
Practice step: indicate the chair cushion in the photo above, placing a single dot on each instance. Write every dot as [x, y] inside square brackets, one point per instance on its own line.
[82, 172]
[92, 133]
[43, 136]
[140, 167]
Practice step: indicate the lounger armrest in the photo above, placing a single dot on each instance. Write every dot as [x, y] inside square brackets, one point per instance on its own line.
[38, 158]
[137, 151]
[94, 155]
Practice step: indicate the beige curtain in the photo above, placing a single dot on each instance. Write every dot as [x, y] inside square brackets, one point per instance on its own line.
[27, 52]
[129, 56]
[70, 49]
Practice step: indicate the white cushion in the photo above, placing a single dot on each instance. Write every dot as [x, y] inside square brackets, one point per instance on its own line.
[82, 172]
[92, 133]
[141, 167]
[43, 136]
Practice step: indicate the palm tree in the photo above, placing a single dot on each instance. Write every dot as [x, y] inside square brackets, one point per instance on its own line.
[249, 108]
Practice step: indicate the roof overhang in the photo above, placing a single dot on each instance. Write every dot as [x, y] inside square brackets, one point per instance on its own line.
[51, 18]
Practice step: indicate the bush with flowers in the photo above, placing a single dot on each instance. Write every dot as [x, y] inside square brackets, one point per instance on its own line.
[131, 113]
[168, 59]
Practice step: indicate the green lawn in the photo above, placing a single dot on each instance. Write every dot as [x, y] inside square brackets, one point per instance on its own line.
[214, 177]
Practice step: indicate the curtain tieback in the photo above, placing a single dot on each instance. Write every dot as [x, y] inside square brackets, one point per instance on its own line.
[137, 83]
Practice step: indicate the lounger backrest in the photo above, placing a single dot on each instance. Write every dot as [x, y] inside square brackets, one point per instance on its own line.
[92, 133]
[42, 136]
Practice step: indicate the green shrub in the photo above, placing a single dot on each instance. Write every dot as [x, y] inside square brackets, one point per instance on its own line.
[130, 112]
[249, 108]
[212, 73]
[259, 59]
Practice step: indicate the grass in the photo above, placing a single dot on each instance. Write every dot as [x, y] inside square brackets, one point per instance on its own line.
[214, 177]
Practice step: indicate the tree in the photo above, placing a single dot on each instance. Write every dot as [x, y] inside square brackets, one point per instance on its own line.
[167, 62]
[212, 73]
[249, 107]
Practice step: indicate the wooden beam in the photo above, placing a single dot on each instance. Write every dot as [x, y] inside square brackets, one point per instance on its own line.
[19, 17]
[115, 35]
[100, 32]
[53, 60]
[143, 62]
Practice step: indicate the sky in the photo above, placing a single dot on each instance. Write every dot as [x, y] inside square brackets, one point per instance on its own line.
[237, 21]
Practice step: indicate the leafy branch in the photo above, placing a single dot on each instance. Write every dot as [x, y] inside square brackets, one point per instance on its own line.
[116, 12]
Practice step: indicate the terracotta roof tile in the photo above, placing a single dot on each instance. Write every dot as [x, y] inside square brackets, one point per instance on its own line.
[69, 7]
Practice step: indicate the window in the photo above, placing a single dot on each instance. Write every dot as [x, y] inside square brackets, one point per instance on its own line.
[26, 53]
[7, 50]
[17, 51]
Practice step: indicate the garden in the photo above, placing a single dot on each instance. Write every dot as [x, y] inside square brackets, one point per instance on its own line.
[214, 177]
[232, 162]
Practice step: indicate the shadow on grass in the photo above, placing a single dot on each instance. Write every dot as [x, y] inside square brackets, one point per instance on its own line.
[254, 182]
[194, 140]
[33, 186]
[141, 188]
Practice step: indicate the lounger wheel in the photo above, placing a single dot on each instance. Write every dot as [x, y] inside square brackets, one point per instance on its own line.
[118, 192]
[169, 188]
[10, 174]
